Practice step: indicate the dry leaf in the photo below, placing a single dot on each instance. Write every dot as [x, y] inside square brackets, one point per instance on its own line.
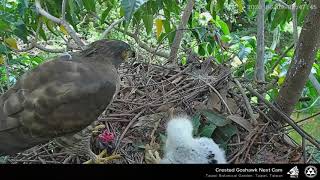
[214, 102]
[232, 105]
[241, 121]
[149, 120]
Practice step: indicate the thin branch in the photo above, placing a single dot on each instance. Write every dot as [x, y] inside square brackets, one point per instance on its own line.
[63, 9]
[142, 44]
[218, 94]
[247, 103]
[6, 65]
[302, 132]
[111, 26]
[62, 22]
[281, 57]
[304, 150]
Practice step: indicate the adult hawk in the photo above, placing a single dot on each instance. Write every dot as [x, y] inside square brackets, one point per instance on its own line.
[61, 98]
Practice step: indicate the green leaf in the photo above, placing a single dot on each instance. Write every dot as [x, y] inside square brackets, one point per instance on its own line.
[184, 61]
[21, 31]
[278, 18]
[215, 118]
[3, 49]
[202, 49]
[22, 6]
[207, 130]
[105, 14]
[196, 123]
[90, 5]
[148, 23]
[4, 26]
[163, 138]
[43, 34]
[223, 26]
[244, 52]
[169, 31]
[130, 6]
[51, 26]
[172, 6]
[219, 6]
[223, 134]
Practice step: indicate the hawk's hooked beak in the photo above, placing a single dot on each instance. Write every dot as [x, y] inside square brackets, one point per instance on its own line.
[128, 54]
[131, 54]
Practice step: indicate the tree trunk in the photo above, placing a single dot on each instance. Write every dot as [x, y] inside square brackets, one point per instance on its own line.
[300, 67]
[179, 34]
[259, 68]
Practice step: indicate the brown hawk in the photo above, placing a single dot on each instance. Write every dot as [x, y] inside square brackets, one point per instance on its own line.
[61, 98]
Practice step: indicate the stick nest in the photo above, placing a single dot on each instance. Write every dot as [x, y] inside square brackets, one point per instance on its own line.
[148, 94]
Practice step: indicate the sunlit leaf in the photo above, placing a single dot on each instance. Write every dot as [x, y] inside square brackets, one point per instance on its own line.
[4, 26]
[12, 43]
[281, 80]
[1, 59]
[240, 5]
[159, 27]
[223, 26]
[63, 30]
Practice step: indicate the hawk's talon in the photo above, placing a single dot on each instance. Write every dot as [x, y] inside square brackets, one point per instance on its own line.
[99, 159]
[152, 157]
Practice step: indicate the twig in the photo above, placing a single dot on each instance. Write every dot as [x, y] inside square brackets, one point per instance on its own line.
[138, 41]
[247, 103]
[281, 57]
[63, 9]
[127, 128]
[219, 95]
[304, 150]
[62, 22]
[253, 139]
[286, 118]
[111, 26]
[304, 119]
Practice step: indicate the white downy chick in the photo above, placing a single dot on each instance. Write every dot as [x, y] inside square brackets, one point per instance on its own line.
[182, 148]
